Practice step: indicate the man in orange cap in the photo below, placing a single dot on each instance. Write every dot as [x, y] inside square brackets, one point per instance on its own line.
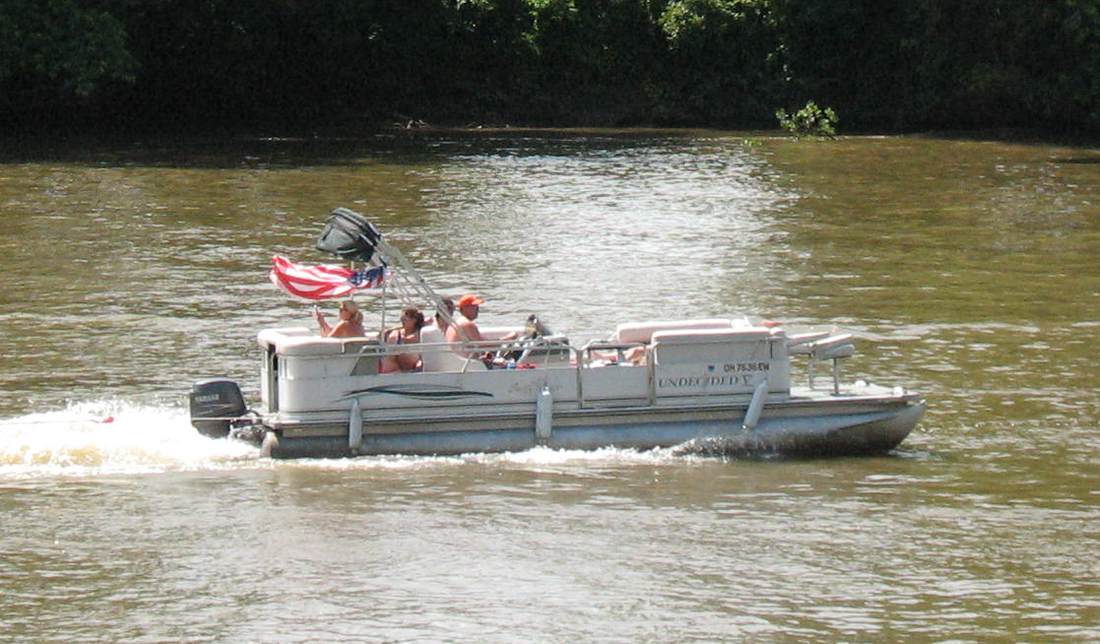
[464, 327]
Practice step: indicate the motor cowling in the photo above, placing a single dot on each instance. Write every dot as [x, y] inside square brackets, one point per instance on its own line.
[215, 404]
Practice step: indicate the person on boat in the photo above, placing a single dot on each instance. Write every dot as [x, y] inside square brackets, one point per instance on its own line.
[465, 327]
[436, 330]
[633, 355]
[349, 326]
[436, 333]
[412, 321]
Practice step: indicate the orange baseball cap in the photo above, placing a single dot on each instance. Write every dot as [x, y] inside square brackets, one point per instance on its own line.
[470, 299]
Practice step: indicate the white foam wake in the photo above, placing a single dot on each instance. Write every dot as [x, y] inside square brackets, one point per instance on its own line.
[108, 437]
[117, 437]
[540, 459]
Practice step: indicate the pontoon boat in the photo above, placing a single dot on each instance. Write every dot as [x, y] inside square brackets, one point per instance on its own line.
[723, 383]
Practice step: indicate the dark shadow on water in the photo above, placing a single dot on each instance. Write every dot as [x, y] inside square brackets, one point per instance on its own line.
[271, 153]
[1084, 145]
[398, 146]
[1079, 160]
[746, 448]
[274, 152]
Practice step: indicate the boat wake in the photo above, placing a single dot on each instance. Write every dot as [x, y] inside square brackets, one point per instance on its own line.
[745, 445]
[104, 438]
[99, 438]
[538, 459]
[111, 437]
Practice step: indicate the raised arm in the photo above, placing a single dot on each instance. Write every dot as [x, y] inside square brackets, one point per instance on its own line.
[326, 330]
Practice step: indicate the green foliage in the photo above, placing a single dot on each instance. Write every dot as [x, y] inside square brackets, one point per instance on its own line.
[717, 65]
[591, 59]
[811, 120]
[52, 51]
[886, 64]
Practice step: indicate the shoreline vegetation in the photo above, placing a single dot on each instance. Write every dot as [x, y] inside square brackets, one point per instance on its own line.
[246, 66]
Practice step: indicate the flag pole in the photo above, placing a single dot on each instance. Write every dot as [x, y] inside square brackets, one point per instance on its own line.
[382, 328]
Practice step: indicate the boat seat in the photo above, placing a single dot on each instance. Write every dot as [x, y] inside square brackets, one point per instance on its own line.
[709, 336]
[446, 360]
[299, 341]
[498, 332]
[629, 332]
[704, 345]
[268, 337]
[553, 351]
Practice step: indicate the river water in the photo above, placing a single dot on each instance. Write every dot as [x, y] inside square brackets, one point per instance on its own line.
[967, 268]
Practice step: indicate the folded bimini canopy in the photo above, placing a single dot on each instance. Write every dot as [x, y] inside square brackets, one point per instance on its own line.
[349, 236]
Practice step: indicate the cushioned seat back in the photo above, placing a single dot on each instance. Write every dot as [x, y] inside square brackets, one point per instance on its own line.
[710, 345]
[293, 342]
[720, 361]
[643, 331]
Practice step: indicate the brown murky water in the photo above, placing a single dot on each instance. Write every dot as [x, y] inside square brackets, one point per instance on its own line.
[968, 269]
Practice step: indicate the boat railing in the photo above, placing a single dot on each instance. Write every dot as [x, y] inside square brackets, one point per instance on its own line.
[820, 346]
[613, 353]
[549, 352]
[545, 351]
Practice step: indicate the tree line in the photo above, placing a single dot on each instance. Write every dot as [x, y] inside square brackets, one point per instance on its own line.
[898, 65]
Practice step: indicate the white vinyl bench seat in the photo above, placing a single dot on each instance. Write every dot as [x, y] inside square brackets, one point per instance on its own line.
[629, 332]
[299, 341]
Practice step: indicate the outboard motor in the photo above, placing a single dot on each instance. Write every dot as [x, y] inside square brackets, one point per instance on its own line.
[215, 404]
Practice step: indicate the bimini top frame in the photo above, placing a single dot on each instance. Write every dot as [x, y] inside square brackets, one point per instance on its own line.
[351, 236]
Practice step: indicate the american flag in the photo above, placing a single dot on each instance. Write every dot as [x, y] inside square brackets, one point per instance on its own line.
[323, 282]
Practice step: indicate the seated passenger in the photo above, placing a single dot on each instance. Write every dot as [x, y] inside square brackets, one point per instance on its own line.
[412, 321]
[436, 331]
[633, 355]
[349, 326]
[465, 328]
